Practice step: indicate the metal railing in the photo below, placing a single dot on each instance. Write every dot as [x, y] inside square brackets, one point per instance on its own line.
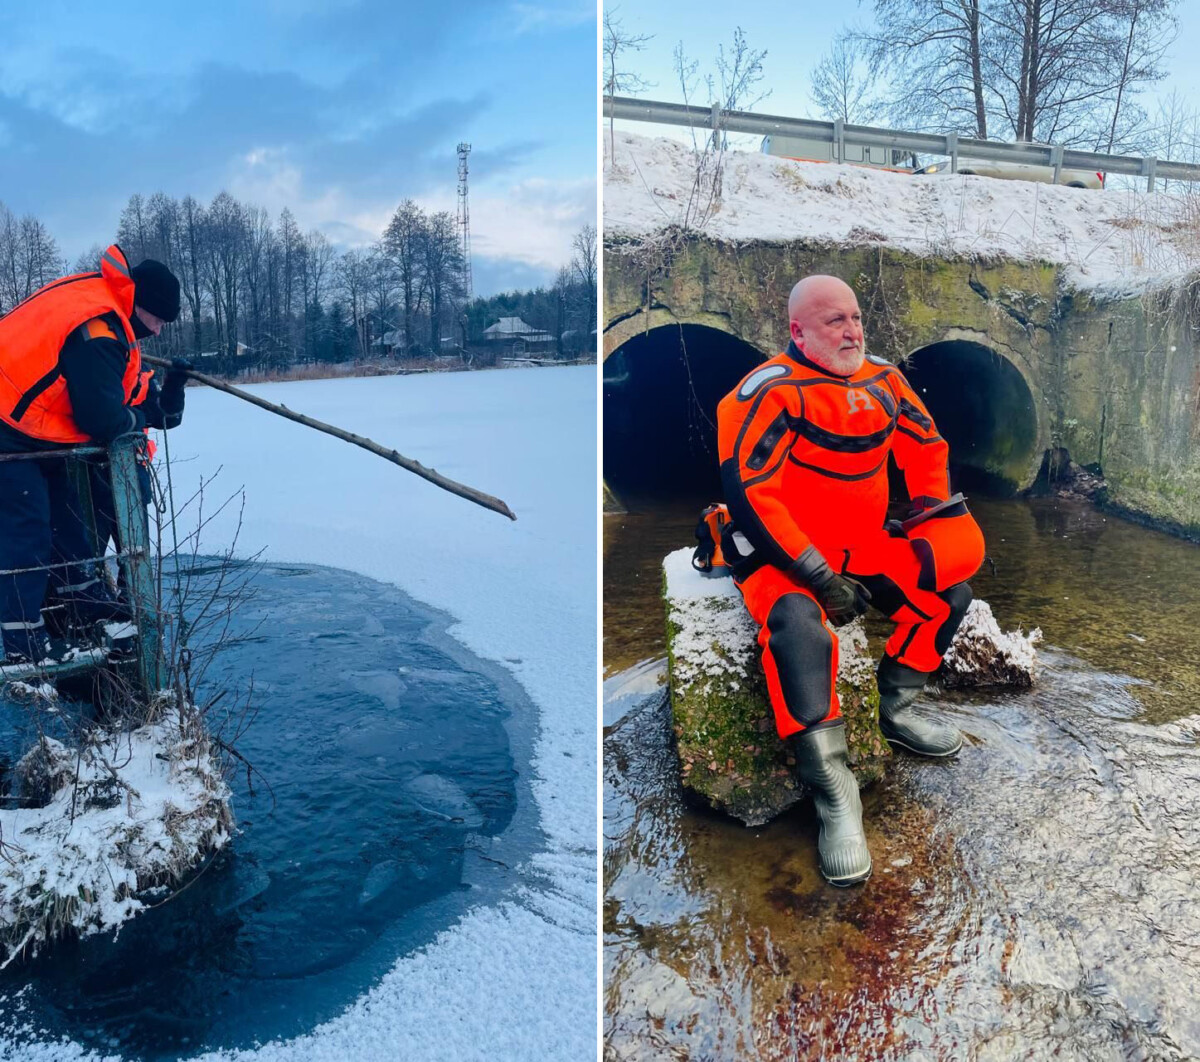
[839, 134]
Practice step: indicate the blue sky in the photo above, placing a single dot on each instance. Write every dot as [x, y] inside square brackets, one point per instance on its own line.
[337, 109]
[796, 34]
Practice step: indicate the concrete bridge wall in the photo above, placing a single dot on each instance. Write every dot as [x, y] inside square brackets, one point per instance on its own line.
[1115, 382]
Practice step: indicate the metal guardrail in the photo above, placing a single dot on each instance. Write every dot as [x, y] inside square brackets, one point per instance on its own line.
[950, 144]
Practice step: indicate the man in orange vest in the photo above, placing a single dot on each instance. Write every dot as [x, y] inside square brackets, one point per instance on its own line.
[70, 374]
[805, 441]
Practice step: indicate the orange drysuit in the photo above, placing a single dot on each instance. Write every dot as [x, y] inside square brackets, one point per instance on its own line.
[804, 457]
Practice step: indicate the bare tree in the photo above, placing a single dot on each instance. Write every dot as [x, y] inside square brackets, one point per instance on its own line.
[226, 245]
[189, 261]
[292, 251]
[443, 266]
[735, 86]
[381, 289]
[403, 243]
[843, 80]
[584, 266]
[133, 230]
[10, 286]
[1149, 29]
[89, 261]
[352, 281]
[1062, 71]
[562, 302]
[618, 42]
[933, 51]
[39, 259]
[259, 235]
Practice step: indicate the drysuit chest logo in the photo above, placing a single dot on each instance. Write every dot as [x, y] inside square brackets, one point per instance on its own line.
[857, 400]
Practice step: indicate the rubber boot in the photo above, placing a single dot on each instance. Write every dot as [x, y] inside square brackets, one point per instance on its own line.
[821, 765]
[86, 609]
[899, 722]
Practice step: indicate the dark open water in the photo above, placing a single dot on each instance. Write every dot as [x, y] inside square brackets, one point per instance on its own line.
[398, 764]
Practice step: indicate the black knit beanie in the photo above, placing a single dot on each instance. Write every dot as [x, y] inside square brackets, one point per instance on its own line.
[156, 289]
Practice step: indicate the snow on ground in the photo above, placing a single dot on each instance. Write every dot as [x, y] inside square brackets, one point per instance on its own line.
[517, 980]
[124, 812]
[1108, 241]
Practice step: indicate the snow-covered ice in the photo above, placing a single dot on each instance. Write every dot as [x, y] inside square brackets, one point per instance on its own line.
[1108, 241]
[515, 980]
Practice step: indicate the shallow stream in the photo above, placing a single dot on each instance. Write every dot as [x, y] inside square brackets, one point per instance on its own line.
[1034, 897]
[390, 793]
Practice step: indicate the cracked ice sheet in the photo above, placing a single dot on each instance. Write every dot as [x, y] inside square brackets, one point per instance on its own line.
[517, 980]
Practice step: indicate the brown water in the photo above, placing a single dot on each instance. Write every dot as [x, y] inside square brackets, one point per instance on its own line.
[1032, 898]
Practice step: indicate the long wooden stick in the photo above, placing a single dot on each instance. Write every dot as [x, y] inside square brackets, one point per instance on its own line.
[463, 491]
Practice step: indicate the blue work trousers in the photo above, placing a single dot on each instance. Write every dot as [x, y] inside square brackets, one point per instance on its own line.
[40, 524]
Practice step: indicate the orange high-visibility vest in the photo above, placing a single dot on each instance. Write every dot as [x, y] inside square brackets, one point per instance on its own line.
[33, 393]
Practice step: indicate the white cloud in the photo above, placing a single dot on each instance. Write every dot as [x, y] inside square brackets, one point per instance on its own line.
[538, 18]
[530, 221]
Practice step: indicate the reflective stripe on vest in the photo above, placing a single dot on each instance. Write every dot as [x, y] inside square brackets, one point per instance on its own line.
[141, 392]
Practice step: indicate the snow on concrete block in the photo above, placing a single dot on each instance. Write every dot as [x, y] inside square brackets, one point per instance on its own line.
[984, 655]
[730, 756]
[102, 824]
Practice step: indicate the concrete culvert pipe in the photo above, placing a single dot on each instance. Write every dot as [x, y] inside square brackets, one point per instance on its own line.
[983, 409]
[661, 390]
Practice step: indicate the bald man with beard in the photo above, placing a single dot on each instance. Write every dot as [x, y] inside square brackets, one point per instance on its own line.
[804, 443]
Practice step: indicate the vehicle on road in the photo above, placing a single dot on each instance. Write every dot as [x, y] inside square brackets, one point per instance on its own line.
[812, 149]
[1018, 171]
[806, 149]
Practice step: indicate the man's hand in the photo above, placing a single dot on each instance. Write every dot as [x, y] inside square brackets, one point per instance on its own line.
[842, 598]
[919, 504]
[177, 374]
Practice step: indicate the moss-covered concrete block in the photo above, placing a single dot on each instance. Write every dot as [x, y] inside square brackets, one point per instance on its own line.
[730, 756]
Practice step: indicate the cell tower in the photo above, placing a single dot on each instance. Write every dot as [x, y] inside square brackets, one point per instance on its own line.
[464, 217]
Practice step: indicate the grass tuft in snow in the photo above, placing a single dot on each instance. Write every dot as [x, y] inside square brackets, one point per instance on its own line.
[98, 825]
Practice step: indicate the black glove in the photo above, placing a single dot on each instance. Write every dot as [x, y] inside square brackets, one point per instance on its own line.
[842, 598]
[177, 374]
[920, 503]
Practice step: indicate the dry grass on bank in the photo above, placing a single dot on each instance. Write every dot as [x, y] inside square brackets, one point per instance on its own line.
[407, 367]
[333, 371]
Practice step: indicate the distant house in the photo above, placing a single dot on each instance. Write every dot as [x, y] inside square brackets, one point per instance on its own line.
[513, 335]
[390, 343]
[242, 351]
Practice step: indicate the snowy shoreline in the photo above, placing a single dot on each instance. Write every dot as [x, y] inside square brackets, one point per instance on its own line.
[522, 594]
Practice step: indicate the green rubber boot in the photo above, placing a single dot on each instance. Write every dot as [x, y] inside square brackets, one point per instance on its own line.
[821, 765]
[899, 721]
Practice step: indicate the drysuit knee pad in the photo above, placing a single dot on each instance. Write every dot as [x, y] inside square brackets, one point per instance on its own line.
[949, 545]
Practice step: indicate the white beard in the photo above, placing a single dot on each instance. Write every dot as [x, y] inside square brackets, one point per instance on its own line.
[845, 362]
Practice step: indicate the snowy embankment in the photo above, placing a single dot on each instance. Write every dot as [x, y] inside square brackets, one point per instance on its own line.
[1108, 241]
[123, 814]
[517, 980]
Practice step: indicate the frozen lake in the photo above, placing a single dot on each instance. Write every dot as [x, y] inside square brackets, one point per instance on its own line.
[521, 596]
